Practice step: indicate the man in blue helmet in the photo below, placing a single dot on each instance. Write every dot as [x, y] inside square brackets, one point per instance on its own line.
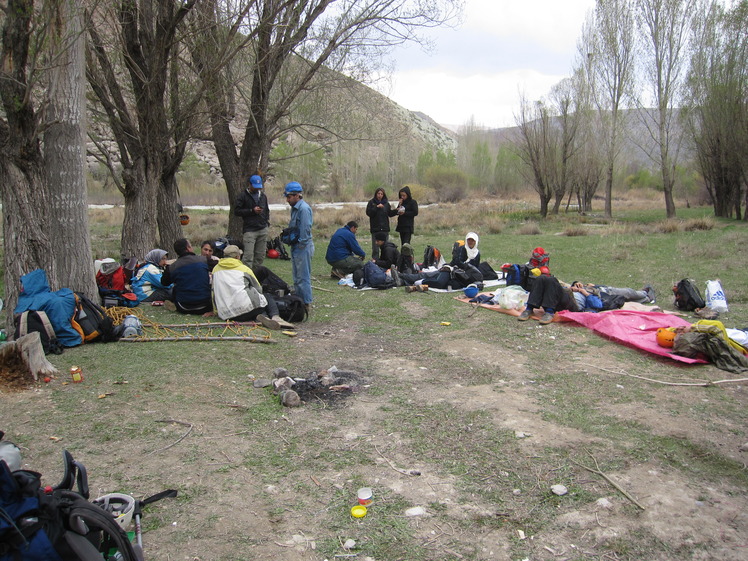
[302, 248]
[252, 206]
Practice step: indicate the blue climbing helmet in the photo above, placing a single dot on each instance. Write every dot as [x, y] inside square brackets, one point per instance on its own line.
[293, 187]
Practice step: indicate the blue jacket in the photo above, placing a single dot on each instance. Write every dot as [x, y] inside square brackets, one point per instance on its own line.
[146, 279]
[302, 219]
[59, 306]
[191, 279]
[343, 244]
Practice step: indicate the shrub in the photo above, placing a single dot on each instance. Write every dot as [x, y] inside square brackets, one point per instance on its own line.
[529, 229]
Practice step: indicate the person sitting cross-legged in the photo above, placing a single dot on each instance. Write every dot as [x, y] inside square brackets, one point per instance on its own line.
[238, 296]
[191, 279]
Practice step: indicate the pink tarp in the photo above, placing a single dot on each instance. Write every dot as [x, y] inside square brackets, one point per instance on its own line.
[635, 329]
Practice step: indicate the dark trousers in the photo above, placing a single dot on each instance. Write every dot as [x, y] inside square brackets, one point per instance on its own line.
[547, 293]
[405, 237]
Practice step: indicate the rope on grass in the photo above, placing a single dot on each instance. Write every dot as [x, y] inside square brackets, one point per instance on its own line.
[704, 383]
[210, 331]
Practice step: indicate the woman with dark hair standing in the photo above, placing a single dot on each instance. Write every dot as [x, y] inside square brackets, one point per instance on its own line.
[378, 210]
[406, 211]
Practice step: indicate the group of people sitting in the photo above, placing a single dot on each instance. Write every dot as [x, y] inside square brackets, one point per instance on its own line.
[546, 292]
[203, 284]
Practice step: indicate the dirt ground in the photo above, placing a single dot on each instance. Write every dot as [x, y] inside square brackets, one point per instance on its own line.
[234, 509]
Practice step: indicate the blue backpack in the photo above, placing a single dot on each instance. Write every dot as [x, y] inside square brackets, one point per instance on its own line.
[56, 523]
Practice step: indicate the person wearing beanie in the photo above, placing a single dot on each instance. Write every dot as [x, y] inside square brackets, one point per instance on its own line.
[252, 206]
[389, 256]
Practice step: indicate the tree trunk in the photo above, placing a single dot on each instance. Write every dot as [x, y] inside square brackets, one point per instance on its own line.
[169, 226]
[139, 224]
[64, 144]
[26, 244]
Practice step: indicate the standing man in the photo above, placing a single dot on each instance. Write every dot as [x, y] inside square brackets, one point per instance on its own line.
[344, 254]
[252, 206]
[302, 250]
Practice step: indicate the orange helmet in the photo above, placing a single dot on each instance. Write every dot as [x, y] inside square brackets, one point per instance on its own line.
[666, 337]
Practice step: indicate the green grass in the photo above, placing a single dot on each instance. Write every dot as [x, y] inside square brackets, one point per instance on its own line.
[244, 444]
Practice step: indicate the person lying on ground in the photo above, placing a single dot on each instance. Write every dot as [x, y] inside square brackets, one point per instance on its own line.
[388, 253]
[552, 295]
[548, 293]
[343, 252]
[147, 281]
[238, 296]
[468, 253]
[644, 296]
[191, 279]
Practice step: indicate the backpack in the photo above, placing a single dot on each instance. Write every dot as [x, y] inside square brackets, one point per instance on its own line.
[271, 283]
[375, 276]
[56, 523]
[456, 249]
[37, 320]
[291, 308]
[468, 274]
[487, 271]
[115, 280]
[278, 246]
[687, 295]
[432, 257]
[111, 298]
[290, 236]
[91, 322]
[405, 261]
[518, 275]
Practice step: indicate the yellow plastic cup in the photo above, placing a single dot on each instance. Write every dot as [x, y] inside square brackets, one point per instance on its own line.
[358, 511]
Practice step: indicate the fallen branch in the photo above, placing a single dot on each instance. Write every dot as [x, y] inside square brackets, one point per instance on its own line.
[323, 289]
[180, 439]
[704, 383]
[599, 472]
[393, 466]
[197, 338]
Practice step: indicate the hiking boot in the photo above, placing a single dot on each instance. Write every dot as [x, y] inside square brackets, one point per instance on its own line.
[283, 323]
[546, 319]
[336, 274]
[169, 305]
[423, 288]
[396, 276]
[649, 289]
[268, 323]
[525, 315]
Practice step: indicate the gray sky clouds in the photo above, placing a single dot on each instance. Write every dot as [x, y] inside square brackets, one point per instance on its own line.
[503, 47]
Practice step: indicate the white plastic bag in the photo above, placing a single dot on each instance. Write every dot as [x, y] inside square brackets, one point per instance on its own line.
[715, 296]
[512, 298]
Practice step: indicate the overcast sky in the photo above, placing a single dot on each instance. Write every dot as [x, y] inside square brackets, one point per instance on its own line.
[502, 48]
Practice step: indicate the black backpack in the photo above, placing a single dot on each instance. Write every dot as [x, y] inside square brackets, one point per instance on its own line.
[271, 283]
[431, 257]
[487, 271]
[56, 523]
[687, 296]
[37, 320]
[519, 275]
[291, 308]
[405, 262]
[278, 246]
[91, 322]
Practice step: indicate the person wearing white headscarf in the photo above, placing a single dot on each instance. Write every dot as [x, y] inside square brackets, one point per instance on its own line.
[468, 253]
[146, 281]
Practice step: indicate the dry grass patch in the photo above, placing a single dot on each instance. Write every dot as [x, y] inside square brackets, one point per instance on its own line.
[694, 224]
[529, 229]
[577, 230]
